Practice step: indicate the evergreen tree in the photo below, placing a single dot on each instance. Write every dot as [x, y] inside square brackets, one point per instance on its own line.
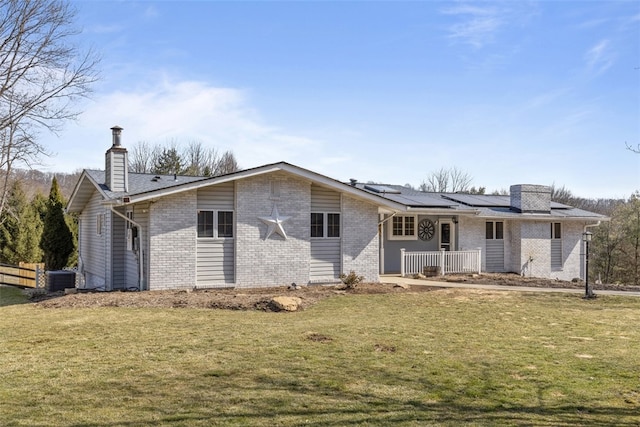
[20, 230]
[57, 239]
[168, 162]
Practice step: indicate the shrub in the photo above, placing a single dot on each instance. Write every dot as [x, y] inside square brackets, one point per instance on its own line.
[351, 280]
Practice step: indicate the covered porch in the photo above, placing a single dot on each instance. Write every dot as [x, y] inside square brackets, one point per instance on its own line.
[440, 262]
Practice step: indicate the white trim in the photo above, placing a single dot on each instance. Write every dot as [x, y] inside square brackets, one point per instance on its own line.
[325, 225]
[285, 167]
[452, 234]
[413, 236]
[215, 224]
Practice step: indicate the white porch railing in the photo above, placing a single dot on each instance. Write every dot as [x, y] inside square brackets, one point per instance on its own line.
[444, 261]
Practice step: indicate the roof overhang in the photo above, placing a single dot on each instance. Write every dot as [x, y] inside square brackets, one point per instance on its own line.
[384, 205]
[82, 193]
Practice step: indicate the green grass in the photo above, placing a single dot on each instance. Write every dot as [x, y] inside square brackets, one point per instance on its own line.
[451, 357]
[10, 295]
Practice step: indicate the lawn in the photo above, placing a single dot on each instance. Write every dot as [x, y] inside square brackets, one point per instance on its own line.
[448, 357]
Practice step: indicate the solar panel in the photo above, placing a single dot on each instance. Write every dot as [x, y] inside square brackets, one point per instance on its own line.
[381, 189]
[480, 199]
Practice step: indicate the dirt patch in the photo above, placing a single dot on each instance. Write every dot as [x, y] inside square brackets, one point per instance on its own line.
[261, 298]
[512, 279]
[227, 299]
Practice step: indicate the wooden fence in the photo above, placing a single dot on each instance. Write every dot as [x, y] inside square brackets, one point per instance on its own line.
[25, 275]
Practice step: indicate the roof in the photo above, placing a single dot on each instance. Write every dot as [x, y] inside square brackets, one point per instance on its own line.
[481, 205]
[388, 198]
[144, 187]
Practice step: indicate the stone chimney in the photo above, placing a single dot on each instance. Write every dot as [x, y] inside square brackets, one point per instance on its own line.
[530, 198]
[116, 164]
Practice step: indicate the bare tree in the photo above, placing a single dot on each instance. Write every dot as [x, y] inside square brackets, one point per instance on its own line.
[226, 164]
[41, 75]
[452, 180]
[194, 160]
[199, 160]
[632, 148]
[141, 157]
[562, 195]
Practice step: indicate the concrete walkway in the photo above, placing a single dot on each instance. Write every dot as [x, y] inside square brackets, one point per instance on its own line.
[394, 278]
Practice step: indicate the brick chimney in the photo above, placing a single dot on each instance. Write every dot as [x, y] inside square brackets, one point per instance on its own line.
[116, 164]
[530, 198]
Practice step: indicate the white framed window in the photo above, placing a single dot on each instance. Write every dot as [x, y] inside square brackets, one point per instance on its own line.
[215, 224]
[403, 227]
[325, 225]
[99, 224]
[494, 230]
[556, 230]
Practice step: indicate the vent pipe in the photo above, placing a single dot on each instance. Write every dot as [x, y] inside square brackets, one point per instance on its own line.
[116, 132]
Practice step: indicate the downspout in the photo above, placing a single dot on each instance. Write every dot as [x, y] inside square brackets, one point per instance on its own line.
[140, 236]
[381, 228]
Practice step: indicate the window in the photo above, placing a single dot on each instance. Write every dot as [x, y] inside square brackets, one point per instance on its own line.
[556, 230]
[333, 225]
[317, 225]
[325, 224]
[215, 224]
[99, 224]
[403, 227]
[225, 224]
[494, 230]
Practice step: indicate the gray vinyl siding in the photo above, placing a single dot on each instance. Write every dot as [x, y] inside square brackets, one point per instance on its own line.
[495, 255]
[215, 259]
[115, 172]
[119, 242]
[325, 259]
[217, 197]
[140, 216]
[93, 245]
[323, 200]
[556, 254]
[326, 253]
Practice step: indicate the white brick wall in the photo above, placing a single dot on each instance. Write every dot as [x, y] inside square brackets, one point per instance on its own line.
[275, 261]
[530, 198]
[172, 236]
[360, 238]
[523, 239]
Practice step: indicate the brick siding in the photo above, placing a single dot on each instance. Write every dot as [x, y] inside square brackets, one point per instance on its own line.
[172, 236]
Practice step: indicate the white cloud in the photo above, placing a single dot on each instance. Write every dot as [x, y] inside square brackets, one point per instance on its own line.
[182, 111]
[479, 26]
[599, 57]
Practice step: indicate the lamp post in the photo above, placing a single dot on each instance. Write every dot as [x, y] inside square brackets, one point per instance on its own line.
[586, 238]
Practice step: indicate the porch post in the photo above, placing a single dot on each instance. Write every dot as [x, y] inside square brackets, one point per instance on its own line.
[442, 251]
[479, 260]
[402, 262]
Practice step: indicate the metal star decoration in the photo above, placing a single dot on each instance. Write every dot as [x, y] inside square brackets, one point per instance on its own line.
[275, 223]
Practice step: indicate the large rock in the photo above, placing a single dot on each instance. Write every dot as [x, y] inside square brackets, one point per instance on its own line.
[286, 303]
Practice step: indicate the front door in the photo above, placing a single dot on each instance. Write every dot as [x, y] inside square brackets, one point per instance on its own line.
[446, 235]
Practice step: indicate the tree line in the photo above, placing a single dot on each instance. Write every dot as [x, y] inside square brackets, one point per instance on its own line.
[37, 229]
[194, 160]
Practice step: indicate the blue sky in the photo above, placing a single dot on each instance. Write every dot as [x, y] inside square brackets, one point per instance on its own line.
[509, 92]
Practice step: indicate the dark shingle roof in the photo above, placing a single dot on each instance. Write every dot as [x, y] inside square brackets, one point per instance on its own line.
[140, 183]
[483, 205]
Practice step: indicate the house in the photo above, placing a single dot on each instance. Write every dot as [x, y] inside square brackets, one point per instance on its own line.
[524, 232]
[278, 224]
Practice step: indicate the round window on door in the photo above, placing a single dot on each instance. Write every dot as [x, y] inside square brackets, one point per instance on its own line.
[426, 229]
